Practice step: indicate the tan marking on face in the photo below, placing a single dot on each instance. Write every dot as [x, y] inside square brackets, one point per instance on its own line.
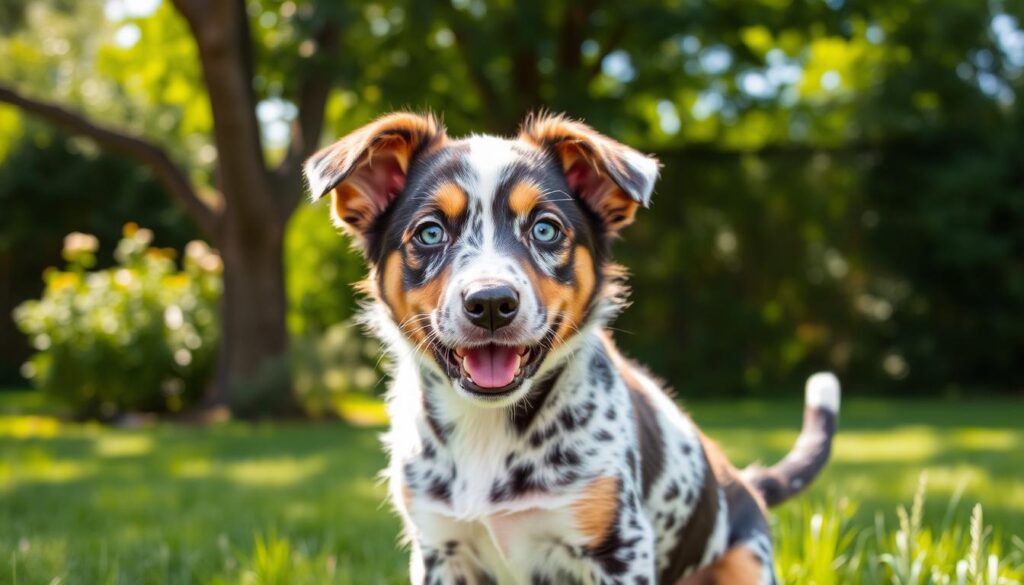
[425, 299]
[392, 287]
[554, 295]
[570, 301]
[411, 308]
[594, 511]
[523, 198]
[413, 261]
[579, 299]
[451, 200]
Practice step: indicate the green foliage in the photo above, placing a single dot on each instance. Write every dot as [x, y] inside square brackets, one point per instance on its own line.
[742, 282]
[841, 190]
[74, 187]
[332, 365]
[947, 256]
[51, 186]
[137, 336]
[331, 356]
[321, 267]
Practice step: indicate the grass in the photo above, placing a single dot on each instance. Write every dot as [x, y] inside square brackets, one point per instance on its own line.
[300, 503]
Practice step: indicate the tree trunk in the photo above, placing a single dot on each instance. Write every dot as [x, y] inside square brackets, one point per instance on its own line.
[253, 371]
[247, 221]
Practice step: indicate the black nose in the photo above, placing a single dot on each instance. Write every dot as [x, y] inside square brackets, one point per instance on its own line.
[491, 306]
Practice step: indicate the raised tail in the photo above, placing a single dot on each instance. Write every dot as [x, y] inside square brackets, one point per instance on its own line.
[802, 464]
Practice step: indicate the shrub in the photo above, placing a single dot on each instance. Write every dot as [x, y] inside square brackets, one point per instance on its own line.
[138, 336]
[331, 356]
[321, 266]
[339, 362]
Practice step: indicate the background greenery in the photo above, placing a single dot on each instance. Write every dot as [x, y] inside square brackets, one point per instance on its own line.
[842, 183]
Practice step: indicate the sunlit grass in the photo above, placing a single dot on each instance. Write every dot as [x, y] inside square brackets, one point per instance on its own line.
[301, 503]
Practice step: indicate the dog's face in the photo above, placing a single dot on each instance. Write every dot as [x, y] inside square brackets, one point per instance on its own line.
[489, 253]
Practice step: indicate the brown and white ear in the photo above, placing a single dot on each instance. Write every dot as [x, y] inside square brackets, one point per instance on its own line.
[366, 170]
[612, 178]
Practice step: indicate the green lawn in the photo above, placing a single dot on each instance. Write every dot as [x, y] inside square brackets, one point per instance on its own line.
[300, 503]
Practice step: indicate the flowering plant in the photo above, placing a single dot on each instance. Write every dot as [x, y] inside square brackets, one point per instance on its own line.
[139, 336]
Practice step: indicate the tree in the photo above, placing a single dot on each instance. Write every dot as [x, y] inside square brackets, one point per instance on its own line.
[245, 216]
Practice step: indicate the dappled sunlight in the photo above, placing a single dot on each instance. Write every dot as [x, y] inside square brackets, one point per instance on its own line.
[123, 445]
[28, 427]
[194, 468]
[744, 446]
[276, 472]
[361, 410]
[980, 439]
[906, 444]
[44, 469]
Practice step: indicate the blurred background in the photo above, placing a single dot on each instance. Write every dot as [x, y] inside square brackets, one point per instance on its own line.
[843, 188]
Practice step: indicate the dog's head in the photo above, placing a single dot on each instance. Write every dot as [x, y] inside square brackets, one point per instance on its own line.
[490, 254]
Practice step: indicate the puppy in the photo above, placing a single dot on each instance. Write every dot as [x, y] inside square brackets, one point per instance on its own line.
[523, 447]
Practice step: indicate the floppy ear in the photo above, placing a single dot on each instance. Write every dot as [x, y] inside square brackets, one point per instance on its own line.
[611, 178]
[366, 170]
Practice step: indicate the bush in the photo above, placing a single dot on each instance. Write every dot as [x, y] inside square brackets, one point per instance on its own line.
[321, 266]
[140, 336]
[341, 361]
[331, 356]
[50, 186]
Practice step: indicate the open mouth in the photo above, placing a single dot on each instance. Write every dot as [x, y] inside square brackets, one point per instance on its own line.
[490, 370]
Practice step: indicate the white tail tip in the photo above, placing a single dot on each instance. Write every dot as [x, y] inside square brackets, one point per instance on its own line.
[823, 391]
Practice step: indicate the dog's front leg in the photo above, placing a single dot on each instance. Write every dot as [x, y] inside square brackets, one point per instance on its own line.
[448, 552]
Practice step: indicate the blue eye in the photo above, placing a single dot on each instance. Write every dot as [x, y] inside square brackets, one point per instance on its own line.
[431, 234]
[545, 231]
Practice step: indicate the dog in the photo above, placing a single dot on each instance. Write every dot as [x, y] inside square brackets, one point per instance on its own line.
[524, 448]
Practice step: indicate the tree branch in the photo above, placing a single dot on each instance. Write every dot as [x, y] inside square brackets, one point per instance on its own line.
[173, 178]
[221, 32]
[314, 89]
[574, 27]
[305, 135]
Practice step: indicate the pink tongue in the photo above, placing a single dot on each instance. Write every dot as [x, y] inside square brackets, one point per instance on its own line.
[492, 366]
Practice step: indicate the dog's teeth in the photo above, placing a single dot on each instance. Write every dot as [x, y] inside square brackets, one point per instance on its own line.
[465, 368]
[460, 352]
[519, 364]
